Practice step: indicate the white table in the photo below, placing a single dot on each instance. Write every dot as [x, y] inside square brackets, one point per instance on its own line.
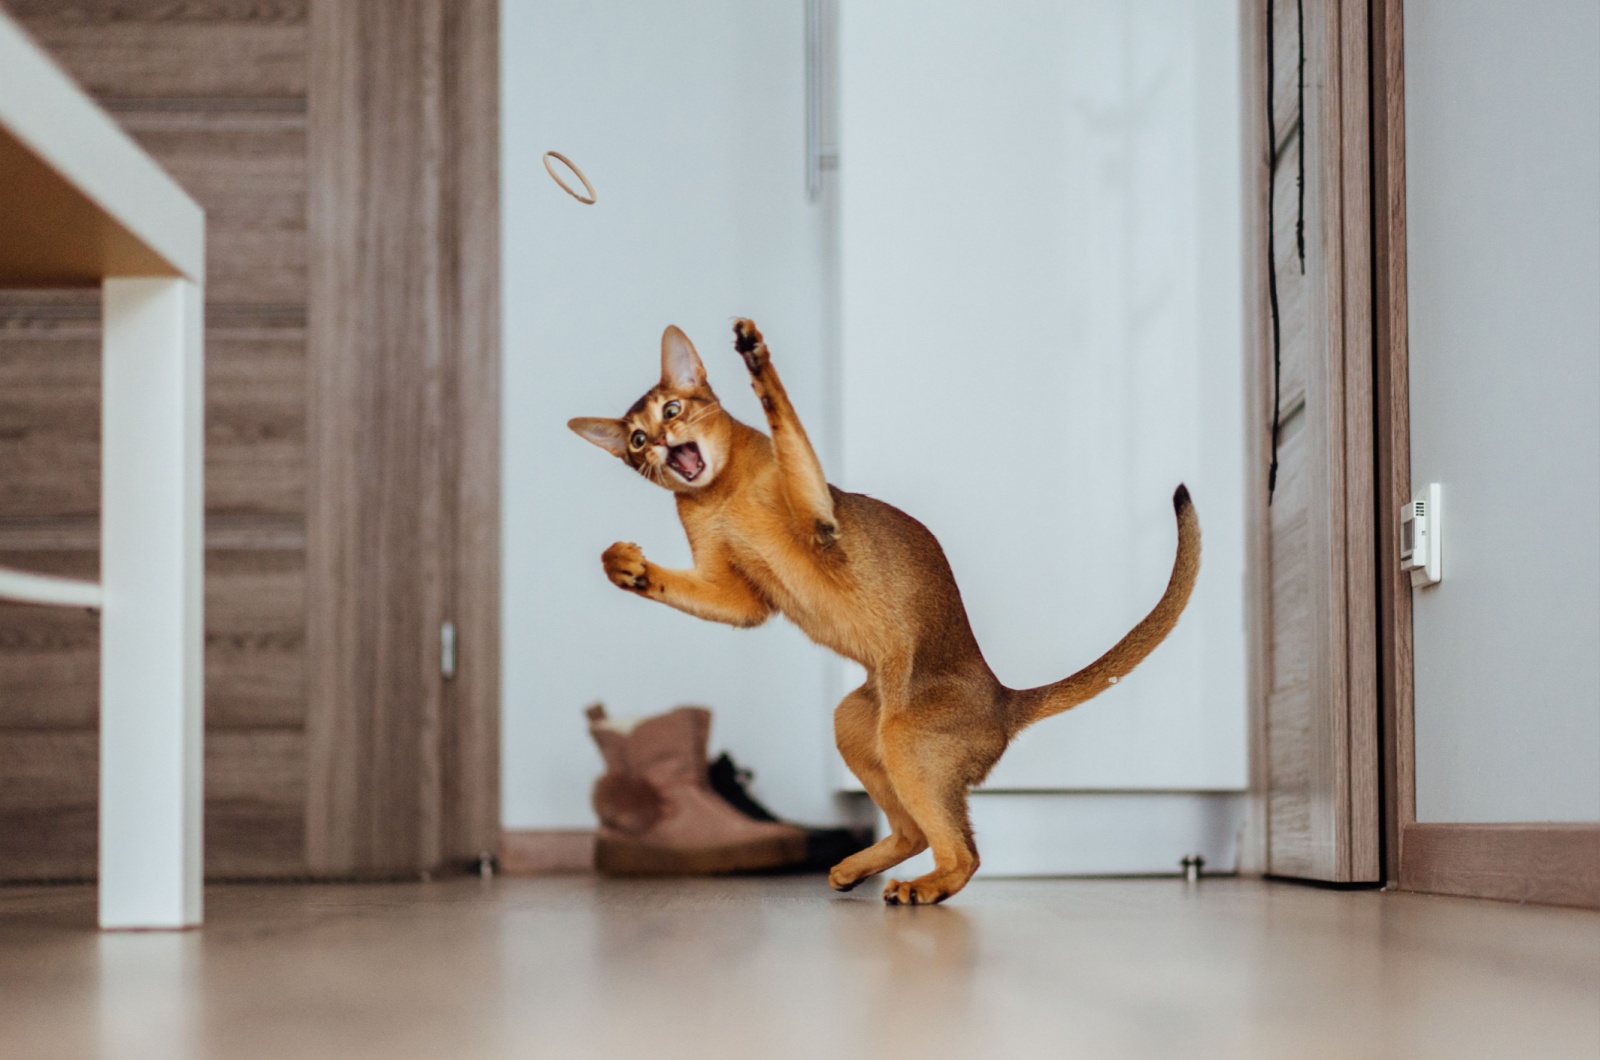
[80, 205]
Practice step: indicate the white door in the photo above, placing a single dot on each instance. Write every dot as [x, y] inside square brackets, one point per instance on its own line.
[1041, 336]
[689, 118]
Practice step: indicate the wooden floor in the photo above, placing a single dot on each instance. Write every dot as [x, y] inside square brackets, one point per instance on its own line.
[573, 968]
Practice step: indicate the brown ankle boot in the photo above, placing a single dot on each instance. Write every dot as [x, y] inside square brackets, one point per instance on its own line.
[658, 814]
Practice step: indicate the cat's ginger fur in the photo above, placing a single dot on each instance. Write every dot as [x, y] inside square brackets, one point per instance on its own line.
[862, 578]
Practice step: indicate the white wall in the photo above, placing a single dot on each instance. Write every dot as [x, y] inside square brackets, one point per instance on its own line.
[688, 116]
[1042, 336]
[1503, 218]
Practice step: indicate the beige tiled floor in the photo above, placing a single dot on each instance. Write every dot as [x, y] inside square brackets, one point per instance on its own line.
[577, 968]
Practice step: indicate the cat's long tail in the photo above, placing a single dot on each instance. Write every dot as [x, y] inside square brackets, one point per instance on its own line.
[1029, 705]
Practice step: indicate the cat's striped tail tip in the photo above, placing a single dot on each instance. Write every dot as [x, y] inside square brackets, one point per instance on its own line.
[1180, 498]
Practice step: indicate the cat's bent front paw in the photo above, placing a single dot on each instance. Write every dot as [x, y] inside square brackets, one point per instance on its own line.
[624, 564]
[751, 346]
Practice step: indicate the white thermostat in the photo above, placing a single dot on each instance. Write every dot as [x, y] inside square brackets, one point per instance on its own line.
[1420, 538]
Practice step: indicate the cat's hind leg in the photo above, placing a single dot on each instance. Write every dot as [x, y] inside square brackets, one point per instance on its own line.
[930, 772]
[855, 726]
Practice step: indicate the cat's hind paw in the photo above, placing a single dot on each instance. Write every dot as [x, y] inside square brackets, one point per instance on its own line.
[751, 346]
[625, 566]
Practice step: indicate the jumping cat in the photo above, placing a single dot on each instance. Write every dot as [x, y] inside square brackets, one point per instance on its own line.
[768, 533]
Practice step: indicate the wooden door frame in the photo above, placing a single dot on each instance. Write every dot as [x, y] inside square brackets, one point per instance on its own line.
[1557, 864]
[1343, 773]
[403, 522]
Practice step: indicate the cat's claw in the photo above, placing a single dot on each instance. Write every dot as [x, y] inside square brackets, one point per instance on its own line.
[751, 346]
[625, 566]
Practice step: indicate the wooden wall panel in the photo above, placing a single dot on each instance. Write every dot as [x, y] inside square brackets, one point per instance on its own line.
[49, 791]
[351, 424]
[215, 90]
[255, 640]
[255, 803]
[255, 644]
[50, 413]
[165, 48]
[246, 166]
[256, 420]
[49, 657]
[255, 706]
[49, 410]
[49, 779]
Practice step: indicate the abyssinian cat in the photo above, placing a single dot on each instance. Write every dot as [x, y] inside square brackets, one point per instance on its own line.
[768, 533]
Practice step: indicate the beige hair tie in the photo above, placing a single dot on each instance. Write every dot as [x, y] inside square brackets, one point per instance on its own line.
[548, 168]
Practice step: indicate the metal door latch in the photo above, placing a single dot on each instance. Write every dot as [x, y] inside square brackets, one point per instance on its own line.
[447, 650]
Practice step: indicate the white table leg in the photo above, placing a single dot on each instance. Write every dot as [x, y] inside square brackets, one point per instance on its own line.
[151, 631]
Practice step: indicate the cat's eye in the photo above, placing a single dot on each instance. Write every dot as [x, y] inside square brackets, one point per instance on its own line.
[671, 409]
[638, 440]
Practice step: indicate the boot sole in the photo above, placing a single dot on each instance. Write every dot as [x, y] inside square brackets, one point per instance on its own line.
[628, 857]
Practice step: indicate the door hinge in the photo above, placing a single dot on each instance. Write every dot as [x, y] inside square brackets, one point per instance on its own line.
[447, 650]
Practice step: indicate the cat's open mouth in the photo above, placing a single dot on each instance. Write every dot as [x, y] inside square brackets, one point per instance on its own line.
[685, 459]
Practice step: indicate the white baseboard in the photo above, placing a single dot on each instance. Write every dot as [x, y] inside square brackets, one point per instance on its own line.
[1099, 833]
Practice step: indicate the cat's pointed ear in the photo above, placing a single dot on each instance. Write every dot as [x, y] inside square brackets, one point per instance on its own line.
[680, 364]
[607, 434]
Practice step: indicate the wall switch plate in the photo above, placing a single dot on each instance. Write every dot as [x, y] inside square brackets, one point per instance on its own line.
[1420, 539]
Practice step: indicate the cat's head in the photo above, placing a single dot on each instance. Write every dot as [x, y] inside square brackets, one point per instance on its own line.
[677, 435]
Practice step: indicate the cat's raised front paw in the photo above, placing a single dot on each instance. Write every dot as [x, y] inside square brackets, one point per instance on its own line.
[624, 564]
[751, 346]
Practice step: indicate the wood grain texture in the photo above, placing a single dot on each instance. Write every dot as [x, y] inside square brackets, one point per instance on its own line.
[49, 782]
[1361, 605]
[403, 493]
[1319, 735]
[49, 708]
[255, 422]
[254, 655]
[246, 168]
[49, 656]
[471, 723]
[1302, 773]
[1393, 422]
[375, 495]
[393, 499]
[255, 640]
[50, 411]
[111, 12]
[49, 791]
[50, 415]
[1550, 864]
[1331, 719]
[133, 50]
[215, 90]
[255, 803]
